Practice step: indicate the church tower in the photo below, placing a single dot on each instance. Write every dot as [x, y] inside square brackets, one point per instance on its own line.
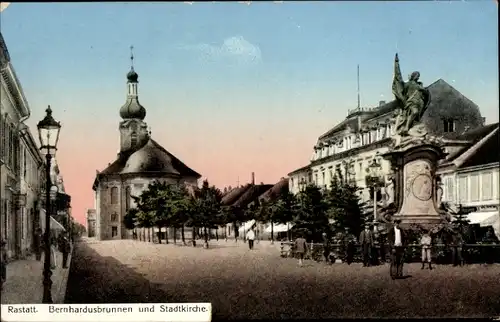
[133, 130]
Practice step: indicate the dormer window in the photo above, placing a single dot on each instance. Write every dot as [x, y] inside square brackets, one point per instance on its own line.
[449, 125]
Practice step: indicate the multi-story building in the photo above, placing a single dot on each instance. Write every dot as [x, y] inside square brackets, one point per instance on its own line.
[470, 176]
[91, 224]
[15, 203]
[31, 180]
[350, 146]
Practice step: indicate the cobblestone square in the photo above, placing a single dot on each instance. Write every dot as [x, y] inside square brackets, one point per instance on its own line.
[259, 284]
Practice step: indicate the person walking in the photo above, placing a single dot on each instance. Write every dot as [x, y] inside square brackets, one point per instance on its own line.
[300, 246]
[64, 248]
[37, 244]
[326, 248]
[457, 243]
[348, 243]
[366, 241]
[397, 240]
[3, 262]
[250, 237]
[426, 242]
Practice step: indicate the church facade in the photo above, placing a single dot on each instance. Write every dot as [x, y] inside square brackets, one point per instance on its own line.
[140, 161]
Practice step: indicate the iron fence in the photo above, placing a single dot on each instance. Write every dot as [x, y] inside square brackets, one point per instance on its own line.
[441, 253]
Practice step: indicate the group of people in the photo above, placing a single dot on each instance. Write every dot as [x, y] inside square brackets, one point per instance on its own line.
[395, 238]
[61, 242]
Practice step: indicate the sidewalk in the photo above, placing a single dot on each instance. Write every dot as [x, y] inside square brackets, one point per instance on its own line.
[24, 281]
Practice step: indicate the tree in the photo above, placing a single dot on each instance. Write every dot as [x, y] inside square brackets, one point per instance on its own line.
[179, 208]
[206, 208]
[130, 219]
[310, 213]
[344, 205]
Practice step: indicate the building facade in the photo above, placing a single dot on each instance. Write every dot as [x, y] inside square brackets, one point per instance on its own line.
[20, 163]
[140, 161]
[91, 223]
[365, 135]
[470, 177]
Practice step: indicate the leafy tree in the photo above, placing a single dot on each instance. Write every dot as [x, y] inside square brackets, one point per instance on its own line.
[206, 208]
[344, 205]
[310, 214]
[130, 219]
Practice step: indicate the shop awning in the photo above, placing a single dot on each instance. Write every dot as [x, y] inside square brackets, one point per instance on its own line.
[279, 228]
[54, 224]
[486, 218]
[246, 226]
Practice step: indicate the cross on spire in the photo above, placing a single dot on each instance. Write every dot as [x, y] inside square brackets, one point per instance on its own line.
[132, 57]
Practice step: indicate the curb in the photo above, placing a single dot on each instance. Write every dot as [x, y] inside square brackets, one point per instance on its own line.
[60, 294]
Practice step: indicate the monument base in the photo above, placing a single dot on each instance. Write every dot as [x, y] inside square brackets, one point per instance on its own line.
[414, 162]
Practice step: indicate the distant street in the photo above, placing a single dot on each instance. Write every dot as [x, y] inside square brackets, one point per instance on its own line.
[259, 284]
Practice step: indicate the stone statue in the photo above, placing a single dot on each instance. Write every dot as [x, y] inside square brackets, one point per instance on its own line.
[439, 191]
[412, 97]
[389, 190]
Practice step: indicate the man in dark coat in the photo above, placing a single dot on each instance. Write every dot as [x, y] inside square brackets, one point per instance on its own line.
[64, 248]
[397, 240]
[349, 245]
[37, 244]
[366, 239]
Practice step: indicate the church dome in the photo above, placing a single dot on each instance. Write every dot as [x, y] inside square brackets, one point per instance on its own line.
[132, 76]
[132, 109]
[150, 158]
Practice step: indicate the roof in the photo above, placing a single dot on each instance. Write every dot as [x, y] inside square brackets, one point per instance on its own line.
[440, 91]
[150, 158]
[277, 190]
[473, 137]
[302, 169]
[486, 153]
[232, 196]
[251, 194]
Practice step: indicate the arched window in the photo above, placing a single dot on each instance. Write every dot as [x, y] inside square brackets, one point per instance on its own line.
[114, 195]
[127, 198]
[114, 216]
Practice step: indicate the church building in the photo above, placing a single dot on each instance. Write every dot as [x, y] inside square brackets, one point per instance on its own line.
[140, 161]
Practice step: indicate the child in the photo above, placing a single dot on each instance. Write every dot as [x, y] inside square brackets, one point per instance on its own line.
[300, 248]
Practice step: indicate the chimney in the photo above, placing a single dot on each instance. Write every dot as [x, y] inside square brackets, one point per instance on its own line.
[380, 103]
[253, 178]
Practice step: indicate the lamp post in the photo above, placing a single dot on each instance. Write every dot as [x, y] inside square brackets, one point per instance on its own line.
[374, 180]
[48, 132]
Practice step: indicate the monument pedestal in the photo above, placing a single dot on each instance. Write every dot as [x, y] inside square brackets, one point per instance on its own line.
[414, 164]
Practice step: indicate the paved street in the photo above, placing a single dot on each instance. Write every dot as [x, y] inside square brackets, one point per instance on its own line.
[24, 281]
[259, 284]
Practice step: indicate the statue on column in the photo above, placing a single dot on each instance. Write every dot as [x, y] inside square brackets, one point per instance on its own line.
[412, 97]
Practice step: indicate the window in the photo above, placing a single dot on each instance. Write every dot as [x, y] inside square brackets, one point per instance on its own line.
[114, 195]
[487, 186]
[324, 178]
[316, 179]
[114, 216]
[114, 231]
[474, 188]
[127, 198]
[133, 139]
[448, 125]
[462, 189]
[449, 189]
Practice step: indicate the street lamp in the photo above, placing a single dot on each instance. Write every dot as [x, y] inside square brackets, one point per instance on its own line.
[48, 132]
[374, 180]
